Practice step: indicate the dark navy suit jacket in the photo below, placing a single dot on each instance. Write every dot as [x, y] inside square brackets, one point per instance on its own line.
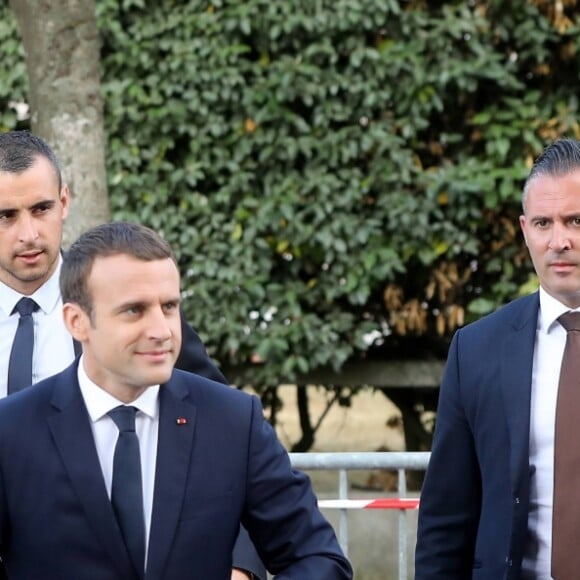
[221, 465]
[475, 499]
[193, 358]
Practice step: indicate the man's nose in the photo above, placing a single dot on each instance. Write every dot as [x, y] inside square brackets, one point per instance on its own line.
[560, 240]
[27, 230]
[158, 325]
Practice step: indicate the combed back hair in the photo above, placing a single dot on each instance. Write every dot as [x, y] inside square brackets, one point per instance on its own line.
[102, 241]
[558, 159]
[20, 149]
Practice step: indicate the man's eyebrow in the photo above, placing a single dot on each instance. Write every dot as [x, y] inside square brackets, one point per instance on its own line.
[44, 203]
[38, 204]
[176, 299]
[7, 210]
[130, 304]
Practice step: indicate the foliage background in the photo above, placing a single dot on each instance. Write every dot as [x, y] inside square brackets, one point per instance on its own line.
[341, 178]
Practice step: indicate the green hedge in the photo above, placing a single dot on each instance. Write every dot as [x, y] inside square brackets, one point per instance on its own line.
[330, 171]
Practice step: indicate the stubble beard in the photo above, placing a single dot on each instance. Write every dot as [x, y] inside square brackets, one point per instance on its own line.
[26, 278]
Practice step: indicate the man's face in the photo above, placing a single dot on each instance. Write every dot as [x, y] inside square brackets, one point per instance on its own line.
[32, 210]
[551, 228]
[132, 338]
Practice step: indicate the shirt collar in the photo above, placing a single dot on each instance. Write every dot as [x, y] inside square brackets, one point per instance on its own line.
[99, 402]
[47, 296]
[550, 310]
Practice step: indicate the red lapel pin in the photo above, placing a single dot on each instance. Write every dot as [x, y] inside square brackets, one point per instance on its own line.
[181, 421]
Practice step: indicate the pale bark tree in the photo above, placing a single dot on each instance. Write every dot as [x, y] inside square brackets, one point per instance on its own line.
[62, 45]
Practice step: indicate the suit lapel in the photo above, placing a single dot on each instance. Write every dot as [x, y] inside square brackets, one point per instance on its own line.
[174, 449]
[73, 437]
[517, 355]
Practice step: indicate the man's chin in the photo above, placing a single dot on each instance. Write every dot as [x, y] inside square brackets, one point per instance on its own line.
[158, 377]
[568, 296]
[25, 280]
[34, 275]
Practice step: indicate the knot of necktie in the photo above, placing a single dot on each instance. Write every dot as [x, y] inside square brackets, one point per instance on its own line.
[124, 417]
[570, 321]
[25, 307]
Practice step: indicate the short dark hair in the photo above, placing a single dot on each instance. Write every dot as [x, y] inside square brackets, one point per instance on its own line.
[102, 241]
[20, 149]
[558, 159]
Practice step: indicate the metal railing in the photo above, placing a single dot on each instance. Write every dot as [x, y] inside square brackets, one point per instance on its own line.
[343, 462]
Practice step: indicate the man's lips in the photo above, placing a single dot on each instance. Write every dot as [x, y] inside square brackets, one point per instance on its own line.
[30, 256]
[562, 265]
[158, 354]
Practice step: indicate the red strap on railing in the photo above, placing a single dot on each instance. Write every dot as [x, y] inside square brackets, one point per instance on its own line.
[392, 503]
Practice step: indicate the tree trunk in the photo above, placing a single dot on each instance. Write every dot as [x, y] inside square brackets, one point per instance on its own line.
[271, 400]
[307, 439]
[416, 437]
[62, 45]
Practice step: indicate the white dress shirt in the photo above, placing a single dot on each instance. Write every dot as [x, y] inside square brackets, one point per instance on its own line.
[105, 433]
[53, 345]
[548, 353]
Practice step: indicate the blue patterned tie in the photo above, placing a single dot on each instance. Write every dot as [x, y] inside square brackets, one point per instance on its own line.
[20, 363]
[127, 489]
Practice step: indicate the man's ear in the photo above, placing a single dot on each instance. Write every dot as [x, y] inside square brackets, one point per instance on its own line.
[64, 198]
[76, 320]
[523, 227]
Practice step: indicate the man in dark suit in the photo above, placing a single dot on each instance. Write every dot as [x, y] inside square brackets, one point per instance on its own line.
[488, 502]
[34, 202]
[208, 459]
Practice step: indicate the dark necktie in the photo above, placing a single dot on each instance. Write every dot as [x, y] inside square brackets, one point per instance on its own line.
[127, 489]
[566, 508]
[20, 363]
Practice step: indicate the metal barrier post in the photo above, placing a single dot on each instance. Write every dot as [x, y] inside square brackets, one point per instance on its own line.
[343, 518]
[342, 462]
[402, 489]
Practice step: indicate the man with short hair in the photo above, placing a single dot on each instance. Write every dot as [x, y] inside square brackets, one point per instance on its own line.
[505, 443]
[208, 458]
[34, 202]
